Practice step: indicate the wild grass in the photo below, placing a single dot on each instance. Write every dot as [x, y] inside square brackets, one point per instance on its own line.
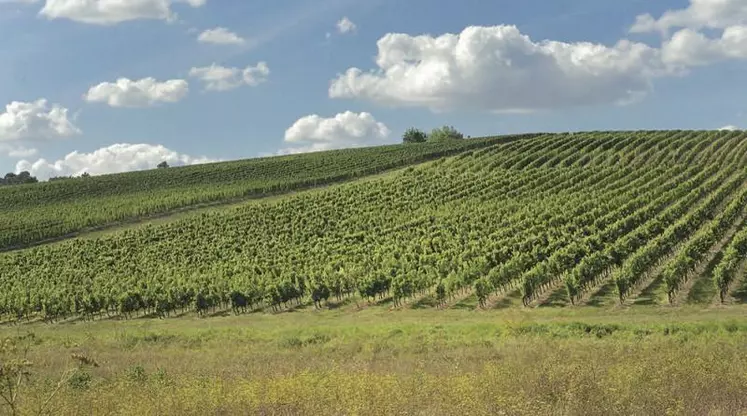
[541, 361]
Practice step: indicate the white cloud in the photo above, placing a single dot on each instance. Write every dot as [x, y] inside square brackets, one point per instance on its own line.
[690, 48]
[220, 78]
[500, 69]
[715, 14]
[220, 36]
[729, 128]
[32, 121]
[141, 93]
[122, 157]
[16, 151]
[109, 12]
[22, 152]
[348, 129]
[346, 25]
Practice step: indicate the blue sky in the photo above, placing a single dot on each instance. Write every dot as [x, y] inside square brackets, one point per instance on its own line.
[684, 70]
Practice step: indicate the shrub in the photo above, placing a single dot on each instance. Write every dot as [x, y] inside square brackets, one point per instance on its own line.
[413, 135]
[137, 374]
[80, 380]
[445, 133]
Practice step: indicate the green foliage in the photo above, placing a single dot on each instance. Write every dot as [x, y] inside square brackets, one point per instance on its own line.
[483, 288]
[136, 374]
[52, 209]
[529, 216]
[80, 380]
[445, 133]
[20, 179]
[726, 270]
[413, 135]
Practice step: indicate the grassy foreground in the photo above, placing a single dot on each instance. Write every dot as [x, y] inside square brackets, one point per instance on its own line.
[643, 360]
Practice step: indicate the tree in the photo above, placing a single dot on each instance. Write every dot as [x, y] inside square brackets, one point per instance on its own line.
[19, 179]
[413, 135]
[445, 133]
[162, 165]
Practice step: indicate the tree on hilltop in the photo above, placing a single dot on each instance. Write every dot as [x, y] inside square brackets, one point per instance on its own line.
[413, 135]
[19, 179]
[445, 133]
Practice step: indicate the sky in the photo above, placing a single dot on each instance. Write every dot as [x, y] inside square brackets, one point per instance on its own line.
[103, 86]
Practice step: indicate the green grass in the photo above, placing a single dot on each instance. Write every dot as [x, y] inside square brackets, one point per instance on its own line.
[376, 361]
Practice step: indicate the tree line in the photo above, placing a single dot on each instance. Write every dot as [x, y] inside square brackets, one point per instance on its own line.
[17, 179]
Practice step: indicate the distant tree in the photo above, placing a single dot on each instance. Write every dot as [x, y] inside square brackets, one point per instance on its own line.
[413, 135]
[445, 133]
[19, 179]
[25, 177]
[85, 175]
[162, 165]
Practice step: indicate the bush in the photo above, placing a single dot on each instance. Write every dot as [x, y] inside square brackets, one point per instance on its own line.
[136, 374]
[445, 133]
[80, 380]
[413, 135]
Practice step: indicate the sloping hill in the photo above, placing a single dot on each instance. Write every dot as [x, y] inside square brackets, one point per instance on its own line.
[556, 214]
[40, 212]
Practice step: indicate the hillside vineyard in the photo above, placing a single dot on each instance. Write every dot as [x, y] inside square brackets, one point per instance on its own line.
[554, 216]
[50, 210]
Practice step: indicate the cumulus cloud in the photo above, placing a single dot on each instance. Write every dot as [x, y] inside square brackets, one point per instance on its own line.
[121, 157]
[141, 93]
[688, 47]
[220, 78]
[37, 120]
[17, 151]
[348, 129]
[500, 69]
[729, 128]
[346, 25]
[715, 14]
[220, 36]
[109, 12]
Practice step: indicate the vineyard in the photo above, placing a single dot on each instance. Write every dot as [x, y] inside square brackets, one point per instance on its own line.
[573, 220]
[43, 211]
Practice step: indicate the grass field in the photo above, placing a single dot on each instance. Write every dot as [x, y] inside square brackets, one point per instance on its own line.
[645, 360]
